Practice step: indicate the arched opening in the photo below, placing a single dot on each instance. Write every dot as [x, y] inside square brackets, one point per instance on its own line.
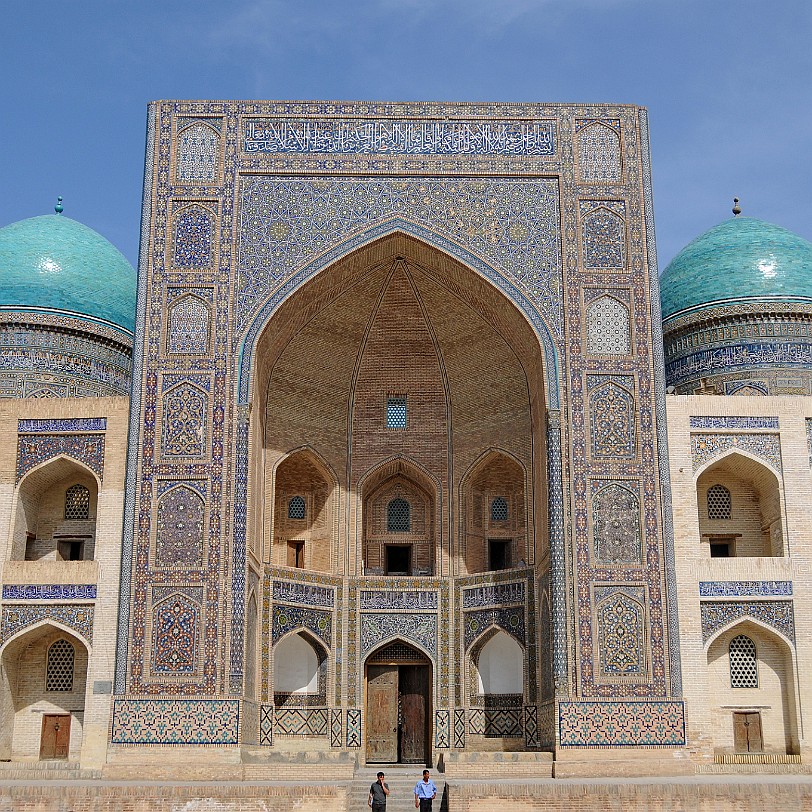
[495, 531]
[44, 681]
[304, 493]
[753, 708]
[398, 705]
[397, 351]
[496, 682]
[55, 518]
[740, 509]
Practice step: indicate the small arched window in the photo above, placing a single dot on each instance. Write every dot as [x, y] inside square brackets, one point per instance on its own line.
[743, 663]
[296, 508]
[398, 516]
[77, 502]
[499, 509]
[59, 671]
[719, 502]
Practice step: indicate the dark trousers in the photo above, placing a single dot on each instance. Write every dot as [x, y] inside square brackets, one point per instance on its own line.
[425, 805]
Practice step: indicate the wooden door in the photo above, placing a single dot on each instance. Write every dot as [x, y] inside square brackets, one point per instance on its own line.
[414, 696]
[55, 739]
[747, 733]
[382, 714]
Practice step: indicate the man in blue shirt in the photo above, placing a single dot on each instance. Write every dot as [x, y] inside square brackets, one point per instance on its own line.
[424, 793]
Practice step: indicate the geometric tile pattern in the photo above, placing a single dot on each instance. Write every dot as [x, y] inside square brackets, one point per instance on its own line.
[335, 727]
[198, 153]
[194, 231]
[621, 635]
[353, 727]
[744, 589]
[603, 235]
[78, 617]
[184, 422]
[35, 449]
[176, 629]
[287, 221]
[301, 721]
[266, 713]
[607, 327]
[599, 158]
[188, 326]
[496, 722]
[175, 721]
[612, 418]
[705, 447]
[531, 729]
[616, 526]
[442, 731]
[459, 728]
[181, 515]
[546, 725]
[718, 614]
[621, 724]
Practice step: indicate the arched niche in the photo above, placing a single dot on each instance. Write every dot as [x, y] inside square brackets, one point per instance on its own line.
[55, 516]
[42, 694]
[299, 671]
[304, 361]
[399, 536]
[494, 533]
[303, 494]
[753, 707]
[499, 666]
[739, 503]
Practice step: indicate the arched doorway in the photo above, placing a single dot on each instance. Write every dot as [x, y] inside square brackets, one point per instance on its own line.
[398, 705]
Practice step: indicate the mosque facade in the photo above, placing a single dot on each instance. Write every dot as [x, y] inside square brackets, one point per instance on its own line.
[386, 460]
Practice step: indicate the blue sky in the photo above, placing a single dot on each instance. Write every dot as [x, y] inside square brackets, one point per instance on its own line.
[728, 86]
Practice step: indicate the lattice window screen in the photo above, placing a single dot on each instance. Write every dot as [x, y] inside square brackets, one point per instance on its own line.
[743, 663]
[719, 502]
[59, 671]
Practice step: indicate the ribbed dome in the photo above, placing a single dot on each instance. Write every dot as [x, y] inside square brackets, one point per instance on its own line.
[740, 260]
[53, 263]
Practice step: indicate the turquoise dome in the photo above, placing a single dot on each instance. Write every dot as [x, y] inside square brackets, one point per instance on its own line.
[54, 264]
[740, 260]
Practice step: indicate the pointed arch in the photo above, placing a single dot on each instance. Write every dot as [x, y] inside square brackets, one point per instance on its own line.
[180, 523]
[613, 427]
[198, 153]
[599, 153]
[608, 327]
[184, 419]
[621, 635]
[188, 326]
[499, 659]
[616, 525]
[175, 635]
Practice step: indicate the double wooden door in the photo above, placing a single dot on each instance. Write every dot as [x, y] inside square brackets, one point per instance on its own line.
[397, 719]
[747, 733]
[55, 739]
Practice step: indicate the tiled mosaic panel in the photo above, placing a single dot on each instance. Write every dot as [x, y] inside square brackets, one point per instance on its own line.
[193, 236]
[420, 629]
[49, 592]
[744, 589]
[184, 422]
[442, 728]
[410, 599]
[175, 721]
[308, 594]
[17, 618]
[176, 633]
[179, 540]
[493, 595]
[496, 722]
[531, 729]
[188, 327]
[705, 447]
[459, 728]
[266, 714]
[336, 730]
[598, 147]
[621, 634]
[718, 615]
[608, 327]
[611, 409]
[301, 721]
[616, 526]
[546, 724]
[603, 234]
[621, 724]
[509, 619]
[353, 727]
[38, 448]
[288, 618]
[285, 222]
[198, 154]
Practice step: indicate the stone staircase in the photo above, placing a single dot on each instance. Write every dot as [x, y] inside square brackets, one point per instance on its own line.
[401, 779]
[57, 770]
